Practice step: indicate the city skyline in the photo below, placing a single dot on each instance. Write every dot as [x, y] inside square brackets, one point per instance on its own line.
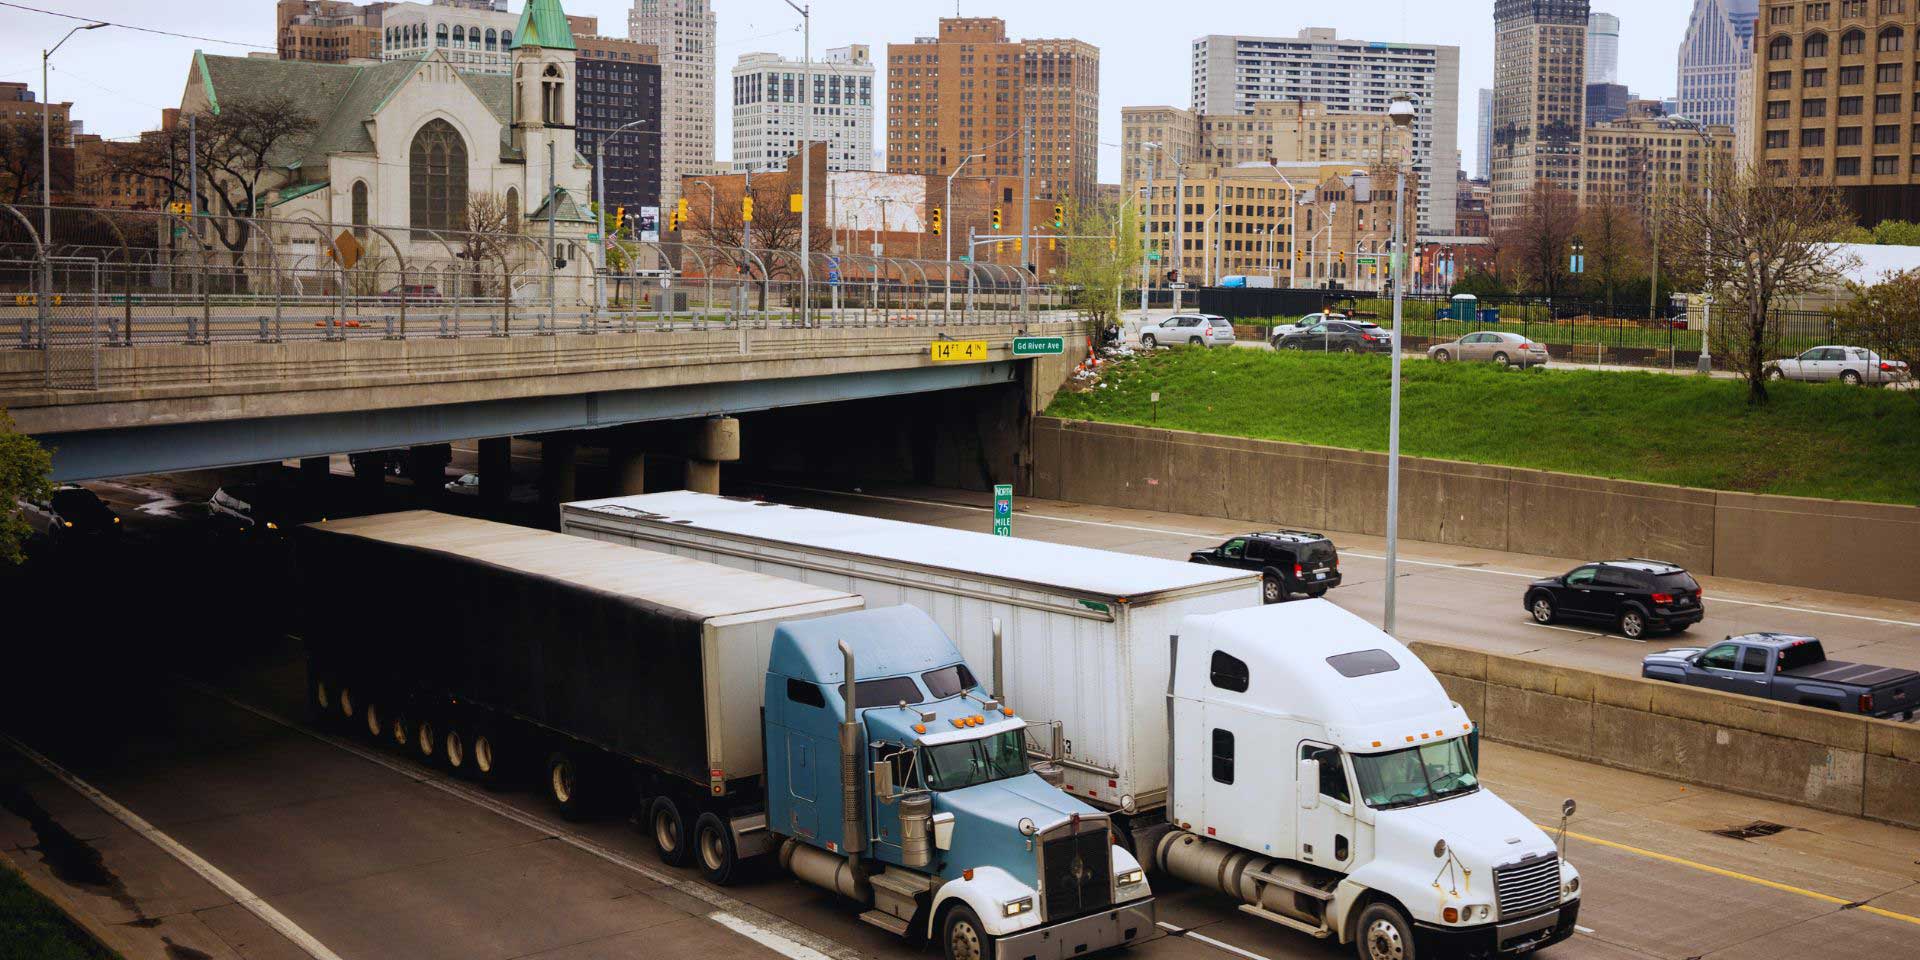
[119, 84]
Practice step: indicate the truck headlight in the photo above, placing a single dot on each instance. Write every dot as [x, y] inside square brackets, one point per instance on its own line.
[1014, 908]
[1131, 877]
[1571, 887]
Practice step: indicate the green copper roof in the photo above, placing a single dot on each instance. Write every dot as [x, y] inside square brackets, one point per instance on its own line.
[543, 24]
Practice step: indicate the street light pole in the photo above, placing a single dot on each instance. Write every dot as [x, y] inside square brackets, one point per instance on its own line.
[1401, 112]
[1146, 210]
[946, 234]
[806, 158]
[600, 211]
[46, 137]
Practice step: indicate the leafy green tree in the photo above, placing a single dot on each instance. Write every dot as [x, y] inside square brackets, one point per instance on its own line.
[1897, 233]
[24, 468]
[1885, 316]
[1103, 251]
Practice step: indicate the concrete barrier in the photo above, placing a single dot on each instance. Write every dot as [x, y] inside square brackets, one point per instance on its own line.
[1816, 758]
[1825, 544]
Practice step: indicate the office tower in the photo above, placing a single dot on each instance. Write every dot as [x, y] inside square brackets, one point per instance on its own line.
[769, 118]
[682, 31]
[1483, 159]
[1539, 98]
[1717, 47]
[1603, 48]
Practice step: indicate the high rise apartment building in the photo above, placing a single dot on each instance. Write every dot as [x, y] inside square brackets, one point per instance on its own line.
[619, 83]
[770, 104]
[1303, 131]
[329, 31]
[1718, 45]
[1483, 151]
[1539, 98]
[1232, 74]
[682, 31]
[1644, 158]
[1174, 132]
[1835, 101]
[1603, 48]
[969, 90]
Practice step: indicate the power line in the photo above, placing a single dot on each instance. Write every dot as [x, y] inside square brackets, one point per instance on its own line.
[128, 26]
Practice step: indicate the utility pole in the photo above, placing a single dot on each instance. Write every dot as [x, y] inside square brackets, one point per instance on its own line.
[553, 223]
[1027, 255]
[806, 159]
[1402, 114]
[1179, 220]
[1146, 232]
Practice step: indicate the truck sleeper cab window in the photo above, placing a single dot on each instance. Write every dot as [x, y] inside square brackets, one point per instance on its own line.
[1228, 672]
[1222, 756]
[948, 681]
[885, 692]
[805, 694]
[969, 763]
[1415, 775]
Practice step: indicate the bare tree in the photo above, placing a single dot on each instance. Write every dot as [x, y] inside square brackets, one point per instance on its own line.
[236, 150]
[20, 160]
[1762, 240]
[491, 238]
[1886, 317]
[1535, 243]
[776, 226]
[1616, 244]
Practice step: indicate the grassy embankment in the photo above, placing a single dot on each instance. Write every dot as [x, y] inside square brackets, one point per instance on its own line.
[1814, 440]
[31, 928]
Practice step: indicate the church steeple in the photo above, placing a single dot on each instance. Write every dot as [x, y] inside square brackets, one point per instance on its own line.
[543, 24]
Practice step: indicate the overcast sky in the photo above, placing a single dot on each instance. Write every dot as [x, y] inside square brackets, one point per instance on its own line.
[119, 80]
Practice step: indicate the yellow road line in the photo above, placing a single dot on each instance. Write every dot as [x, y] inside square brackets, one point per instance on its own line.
[1734, 874]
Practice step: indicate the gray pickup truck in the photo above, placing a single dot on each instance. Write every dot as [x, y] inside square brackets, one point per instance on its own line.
[1791, 668]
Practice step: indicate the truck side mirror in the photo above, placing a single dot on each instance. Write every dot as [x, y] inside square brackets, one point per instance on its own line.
[1306, 784]
[883, 779]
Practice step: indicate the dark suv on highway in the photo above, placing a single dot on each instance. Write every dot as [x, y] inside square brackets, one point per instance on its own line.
[1290, 562]
[1636, 596]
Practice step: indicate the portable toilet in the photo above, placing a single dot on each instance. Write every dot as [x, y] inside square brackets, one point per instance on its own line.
[1466, 307]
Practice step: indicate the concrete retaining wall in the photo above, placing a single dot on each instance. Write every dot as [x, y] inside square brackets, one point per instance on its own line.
[1816, 758]
[1825, 544]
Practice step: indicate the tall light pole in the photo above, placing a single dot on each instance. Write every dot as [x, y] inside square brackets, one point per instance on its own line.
[806, 157]
[1146, 210]
[1706, 299]
[1401, 113]
[1179, 221]
[600, 209]
[46, 136]
[713, 206]
[946, 234]
[1293, 212]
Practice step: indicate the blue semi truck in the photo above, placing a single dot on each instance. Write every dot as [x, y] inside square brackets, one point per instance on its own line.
[712, 704]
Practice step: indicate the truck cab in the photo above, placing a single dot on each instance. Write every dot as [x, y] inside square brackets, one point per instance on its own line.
[1322, 775]
[915, 797]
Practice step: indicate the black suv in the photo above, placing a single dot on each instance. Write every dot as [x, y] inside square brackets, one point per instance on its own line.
[1289, 562]
[1634, 595]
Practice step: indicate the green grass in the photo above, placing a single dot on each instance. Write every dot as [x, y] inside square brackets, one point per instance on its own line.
[1815, 440]
[31, 928]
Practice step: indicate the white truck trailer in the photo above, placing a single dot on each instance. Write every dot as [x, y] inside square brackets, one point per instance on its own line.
[1319, 773]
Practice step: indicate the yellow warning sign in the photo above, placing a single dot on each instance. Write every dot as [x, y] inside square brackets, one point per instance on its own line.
[959, 351]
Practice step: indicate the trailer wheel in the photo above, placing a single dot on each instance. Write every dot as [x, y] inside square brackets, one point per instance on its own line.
[453, 749]
[964, 937]
[1383, 933]
[373, 720]
[321, 699]
[349, 703]
[567, 785]
[669, 832]
[713, 842]
[400, 730]
[426, 740]
[488, 757]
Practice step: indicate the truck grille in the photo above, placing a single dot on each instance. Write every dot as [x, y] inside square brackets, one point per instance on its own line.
[1076, 872]
[1527, 887]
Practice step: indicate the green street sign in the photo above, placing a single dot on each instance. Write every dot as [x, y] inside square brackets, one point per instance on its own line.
[1003, 510]
[593, 238]
[1367, 261]
[1039, 346]
[966, 258]
[1153, 256]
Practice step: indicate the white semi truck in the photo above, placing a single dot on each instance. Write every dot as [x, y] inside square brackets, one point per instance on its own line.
[1292, 757]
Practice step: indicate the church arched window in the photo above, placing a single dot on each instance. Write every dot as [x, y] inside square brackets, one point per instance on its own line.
[513, 210]
[440, 35]
[437, 182]
[553, 99]
[506, 39]
[493, 39]
[359, 213]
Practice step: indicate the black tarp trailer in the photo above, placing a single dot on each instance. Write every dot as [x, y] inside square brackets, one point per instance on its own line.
[610, 672]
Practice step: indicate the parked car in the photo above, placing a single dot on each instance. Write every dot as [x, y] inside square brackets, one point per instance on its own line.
[1196, 329]
[250, 507]
[1791, 668]
[1290, 562]
[1636, 596]
[1505, 349]
[1855, 365]
[413, 293]
[72, 514]
[1281, 330]
[468, 485]
[1336, 336]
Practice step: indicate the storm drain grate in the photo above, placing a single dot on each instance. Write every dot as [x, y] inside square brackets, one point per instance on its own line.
[1758, 828]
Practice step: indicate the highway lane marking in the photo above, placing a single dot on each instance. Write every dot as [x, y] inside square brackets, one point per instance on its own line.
[240, 895]
[1749, 878]
[781, 936]
[1202, 534]
[1209, 941]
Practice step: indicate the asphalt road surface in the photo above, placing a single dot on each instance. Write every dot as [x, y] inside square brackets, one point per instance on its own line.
[166, 779]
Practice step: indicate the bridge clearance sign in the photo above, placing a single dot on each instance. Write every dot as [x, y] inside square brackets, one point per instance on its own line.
[959, 351]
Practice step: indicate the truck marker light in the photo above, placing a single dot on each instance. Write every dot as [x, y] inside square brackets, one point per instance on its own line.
[1209, 831]
[966, 874]
[1423, 736]
[957, 723]
[919, 728]
[1006, 711]
[1376, 743]
[1450, 915]
[1113, 783]
[1409, 739]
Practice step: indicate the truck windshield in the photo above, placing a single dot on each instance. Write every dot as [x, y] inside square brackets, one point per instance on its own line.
[967, 763]
[1415, 775]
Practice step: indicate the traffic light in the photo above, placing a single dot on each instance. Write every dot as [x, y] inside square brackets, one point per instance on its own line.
[1113, 244]
[1050, 245]
[999, 247]
[746, 209]
[996, 219]
[1059, 215]
[1173, 276]
[793, 203]
[936, 225]
[680, 210]
[1019, 244]
[619, 217]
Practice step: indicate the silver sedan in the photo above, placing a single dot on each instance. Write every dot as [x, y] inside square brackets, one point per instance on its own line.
[1505, 349]
[1846, 364]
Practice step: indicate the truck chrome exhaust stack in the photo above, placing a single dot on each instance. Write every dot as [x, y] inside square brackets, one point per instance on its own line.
[853, 838]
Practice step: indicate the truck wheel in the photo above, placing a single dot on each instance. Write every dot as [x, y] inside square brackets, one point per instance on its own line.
[373, 721]
[348, 701]
[426, 740]
[488, 757]
[1633, 624]
[568, 785]
[453, 750]
[669, 832]
[1383, 933]
[1272, 590]
[713, 842]
[400, 731]
[320, 699]
[964, 937]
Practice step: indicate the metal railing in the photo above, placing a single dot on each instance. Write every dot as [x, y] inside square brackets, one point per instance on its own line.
[121, 278]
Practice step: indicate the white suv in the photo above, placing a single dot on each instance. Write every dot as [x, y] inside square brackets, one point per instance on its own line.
[1197, 329]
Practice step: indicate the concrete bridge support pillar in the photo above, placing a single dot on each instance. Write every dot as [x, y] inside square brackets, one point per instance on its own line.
[715, 441]
[629, 468]
[369, 471]
[427, 468]
[496, 469]
[558, 469]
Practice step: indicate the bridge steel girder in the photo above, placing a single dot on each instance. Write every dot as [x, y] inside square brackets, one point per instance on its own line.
[133, 451]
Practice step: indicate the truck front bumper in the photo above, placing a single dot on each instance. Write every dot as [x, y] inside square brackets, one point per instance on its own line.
[1116, 926]
[1498, 939]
